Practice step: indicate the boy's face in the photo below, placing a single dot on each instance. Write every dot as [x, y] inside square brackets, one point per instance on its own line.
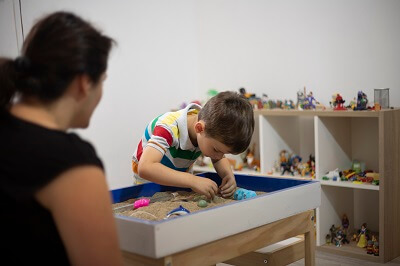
[210, 147]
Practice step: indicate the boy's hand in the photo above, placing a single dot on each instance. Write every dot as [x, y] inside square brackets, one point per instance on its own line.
[205, 187]
[228, 186]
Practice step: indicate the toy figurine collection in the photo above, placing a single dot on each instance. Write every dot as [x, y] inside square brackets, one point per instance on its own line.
[290, 163]
[356, 175]
[362, 237]
[307, 101]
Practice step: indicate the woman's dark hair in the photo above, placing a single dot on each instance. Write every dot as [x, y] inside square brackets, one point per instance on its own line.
[58, 48]
[229, 118]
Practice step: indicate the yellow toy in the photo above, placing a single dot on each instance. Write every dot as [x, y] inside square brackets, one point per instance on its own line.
[362, 236]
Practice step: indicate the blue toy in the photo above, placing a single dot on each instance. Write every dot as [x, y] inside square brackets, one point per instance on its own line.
[177, 212]
[362, 101]
[242, 193]
[309, 101]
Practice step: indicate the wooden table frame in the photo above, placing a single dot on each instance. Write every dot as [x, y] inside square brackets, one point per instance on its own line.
[230, 247]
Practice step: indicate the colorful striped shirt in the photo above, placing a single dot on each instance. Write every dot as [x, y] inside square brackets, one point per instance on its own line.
[169, 134]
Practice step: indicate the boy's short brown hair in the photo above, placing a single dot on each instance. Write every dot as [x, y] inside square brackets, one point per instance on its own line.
[229, 118]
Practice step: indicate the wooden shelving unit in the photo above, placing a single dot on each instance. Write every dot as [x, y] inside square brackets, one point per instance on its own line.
[336, 138]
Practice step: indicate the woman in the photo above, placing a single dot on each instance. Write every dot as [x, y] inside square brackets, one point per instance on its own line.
[54, 200]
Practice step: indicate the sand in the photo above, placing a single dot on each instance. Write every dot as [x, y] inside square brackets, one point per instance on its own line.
[157, 211]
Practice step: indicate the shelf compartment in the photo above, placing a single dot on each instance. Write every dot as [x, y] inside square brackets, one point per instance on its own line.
[340, 140]
[294, 134]
[360, 206]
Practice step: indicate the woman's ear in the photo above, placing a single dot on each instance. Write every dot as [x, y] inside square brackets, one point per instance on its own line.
[85, 84]
[79, 87]
[199, 126]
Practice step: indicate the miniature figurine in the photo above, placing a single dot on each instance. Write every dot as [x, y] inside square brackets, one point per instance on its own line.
[271, 104]
[338, 103]
[277, 167]
[265, 102]
[177, 212]
[338, 238]
[288, 105]
[311, 163]
[300, 99]
[243, 92]
[362, 101]
[287, 167]
[235, 164]
[333, 175]
[345, 222]
[283, 156]
[252, 163]
[332, 231]
[362, 236]
[370, 245]
[352, 104]
[375, 248]
[357, 167]
[345, 226]
[328, 239]
[304, 169]
[296, 160]
[291, 104]
[279, 104]
[309, 101]
[377, 107]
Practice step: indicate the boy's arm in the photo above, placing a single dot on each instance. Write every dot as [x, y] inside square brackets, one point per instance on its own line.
[224, 170]
[151, 169]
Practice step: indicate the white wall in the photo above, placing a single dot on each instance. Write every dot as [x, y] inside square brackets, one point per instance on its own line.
[279, 46]
[10, 34]
[152, 69]
[173, 51]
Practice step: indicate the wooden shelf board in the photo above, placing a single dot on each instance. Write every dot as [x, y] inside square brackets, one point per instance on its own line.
[348, 185]
[326, 113]
[350, 250]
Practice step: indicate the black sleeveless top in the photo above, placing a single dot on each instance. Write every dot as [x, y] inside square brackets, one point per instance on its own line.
[31, 157]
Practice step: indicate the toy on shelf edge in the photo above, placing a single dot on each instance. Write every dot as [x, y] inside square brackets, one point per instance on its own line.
[309, 101]
[362, 101]
[337, 102]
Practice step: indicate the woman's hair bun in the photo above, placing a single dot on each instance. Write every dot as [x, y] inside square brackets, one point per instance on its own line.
[22, 64]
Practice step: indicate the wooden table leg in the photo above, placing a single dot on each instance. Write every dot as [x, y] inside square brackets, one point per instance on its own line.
[309, 245]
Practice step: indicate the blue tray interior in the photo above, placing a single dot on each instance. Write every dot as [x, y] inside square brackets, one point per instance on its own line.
[257, 183]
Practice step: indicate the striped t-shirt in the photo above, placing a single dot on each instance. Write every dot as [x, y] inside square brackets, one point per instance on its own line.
[169, 134]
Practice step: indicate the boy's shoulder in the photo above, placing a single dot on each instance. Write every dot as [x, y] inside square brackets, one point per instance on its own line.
[175, 115]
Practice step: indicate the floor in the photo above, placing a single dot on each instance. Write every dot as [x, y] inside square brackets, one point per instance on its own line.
[327, 259]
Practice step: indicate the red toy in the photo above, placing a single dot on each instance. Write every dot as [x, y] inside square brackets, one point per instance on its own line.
[338, 103]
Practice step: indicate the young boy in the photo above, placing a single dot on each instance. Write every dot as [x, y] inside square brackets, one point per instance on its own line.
[173, 141]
